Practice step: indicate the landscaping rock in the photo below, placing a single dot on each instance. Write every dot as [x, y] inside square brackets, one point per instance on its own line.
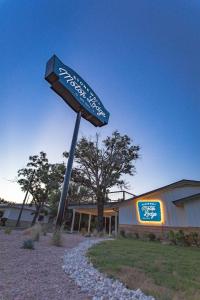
[37, 274]
[90, 280]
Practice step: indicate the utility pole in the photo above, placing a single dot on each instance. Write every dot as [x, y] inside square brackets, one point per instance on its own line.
[22, 207]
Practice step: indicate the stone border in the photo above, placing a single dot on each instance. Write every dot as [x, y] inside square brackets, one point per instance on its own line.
[91, 281]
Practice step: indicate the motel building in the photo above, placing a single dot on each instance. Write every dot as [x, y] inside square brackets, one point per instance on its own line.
[172, 207]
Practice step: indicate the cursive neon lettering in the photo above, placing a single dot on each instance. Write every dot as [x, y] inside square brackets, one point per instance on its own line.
[92, 100]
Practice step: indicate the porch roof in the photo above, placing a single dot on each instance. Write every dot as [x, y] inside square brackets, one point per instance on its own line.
[109, 210]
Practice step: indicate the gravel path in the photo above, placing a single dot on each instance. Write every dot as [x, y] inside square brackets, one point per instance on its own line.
[36, 274]
[100, 287]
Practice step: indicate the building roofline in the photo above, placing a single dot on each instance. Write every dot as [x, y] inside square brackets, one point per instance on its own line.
[92, 205]
[17, 206]
[182, 200]
[174, 184]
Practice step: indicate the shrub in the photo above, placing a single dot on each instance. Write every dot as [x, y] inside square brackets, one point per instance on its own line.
[95, 233]
[35, 232]
[93, 225]
[172, 237]
[87, 235]
[136, 235]
[114, 234]
[57, 238]
[129, 235]
[188, 240]
[44, 229]
[151, 236]
[193, 239]
[101, 234]
[28, 244]
[180, 238]
[145, 237]
[83, 231]
[164, 236]
[8, 231]
[122, 233]
[36, 236]
[158, 238]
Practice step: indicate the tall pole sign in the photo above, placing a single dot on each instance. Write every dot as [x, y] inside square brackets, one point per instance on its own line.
[83, 100]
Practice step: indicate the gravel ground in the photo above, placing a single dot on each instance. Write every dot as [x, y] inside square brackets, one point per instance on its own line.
[100, 287]
[36, 274]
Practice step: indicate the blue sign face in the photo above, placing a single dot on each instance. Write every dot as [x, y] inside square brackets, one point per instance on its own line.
[75, 92]
[149, 211]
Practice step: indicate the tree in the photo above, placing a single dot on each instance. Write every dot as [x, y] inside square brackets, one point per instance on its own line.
[47, 179]
[100, 168]
[77, 194]
[3, 201]
[53, 202]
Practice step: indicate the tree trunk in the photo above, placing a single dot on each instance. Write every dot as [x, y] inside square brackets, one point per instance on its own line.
[36, 215]
[100, 209]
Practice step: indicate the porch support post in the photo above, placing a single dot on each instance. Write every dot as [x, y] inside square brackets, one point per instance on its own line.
[116, 225]
[89, 222]
[73, 218]
[79, 224]
[110, 219]
[105, 224]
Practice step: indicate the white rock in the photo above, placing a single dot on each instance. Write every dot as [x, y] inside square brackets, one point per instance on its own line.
[90, 280]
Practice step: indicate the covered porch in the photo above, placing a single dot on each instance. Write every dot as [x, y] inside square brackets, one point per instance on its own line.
[110, 217]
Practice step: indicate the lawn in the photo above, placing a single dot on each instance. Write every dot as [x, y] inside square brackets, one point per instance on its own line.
[163, 271]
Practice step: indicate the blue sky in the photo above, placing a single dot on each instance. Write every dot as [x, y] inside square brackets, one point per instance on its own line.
[140, 57]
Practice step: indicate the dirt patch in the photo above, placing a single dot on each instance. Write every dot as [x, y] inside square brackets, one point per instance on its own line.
[35, 274]
[134, 278]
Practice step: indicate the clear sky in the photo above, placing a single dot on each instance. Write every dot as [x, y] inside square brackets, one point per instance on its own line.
[142, 59]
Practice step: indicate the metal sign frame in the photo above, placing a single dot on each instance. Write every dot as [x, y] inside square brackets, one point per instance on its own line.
[83, 100]
[75, 92]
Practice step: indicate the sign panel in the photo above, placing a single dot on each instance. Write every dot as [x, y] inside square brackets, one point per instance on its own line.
[150, 211]
[75, 92]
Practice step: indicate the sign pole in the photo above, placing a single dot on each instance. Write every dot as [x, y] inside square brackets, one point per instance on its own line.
[63, 197]
[80, 97]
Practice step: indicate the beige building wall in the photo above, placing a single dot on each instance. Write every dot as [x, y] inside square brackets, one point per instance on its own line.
[174, 216]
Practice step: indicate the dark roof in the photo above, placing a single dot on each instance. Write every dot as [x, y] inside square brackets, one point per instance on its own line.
[182, 200]
[171, 185]
[93, 205]
[17, 206]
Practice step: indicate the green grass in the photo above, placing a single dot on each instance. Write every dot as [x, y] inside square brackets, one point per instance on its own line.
[164, 271]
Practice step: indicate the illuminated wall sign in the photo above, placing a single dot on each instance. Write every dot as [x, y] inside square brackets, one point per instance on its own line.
[75, 92]
[150, 211]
